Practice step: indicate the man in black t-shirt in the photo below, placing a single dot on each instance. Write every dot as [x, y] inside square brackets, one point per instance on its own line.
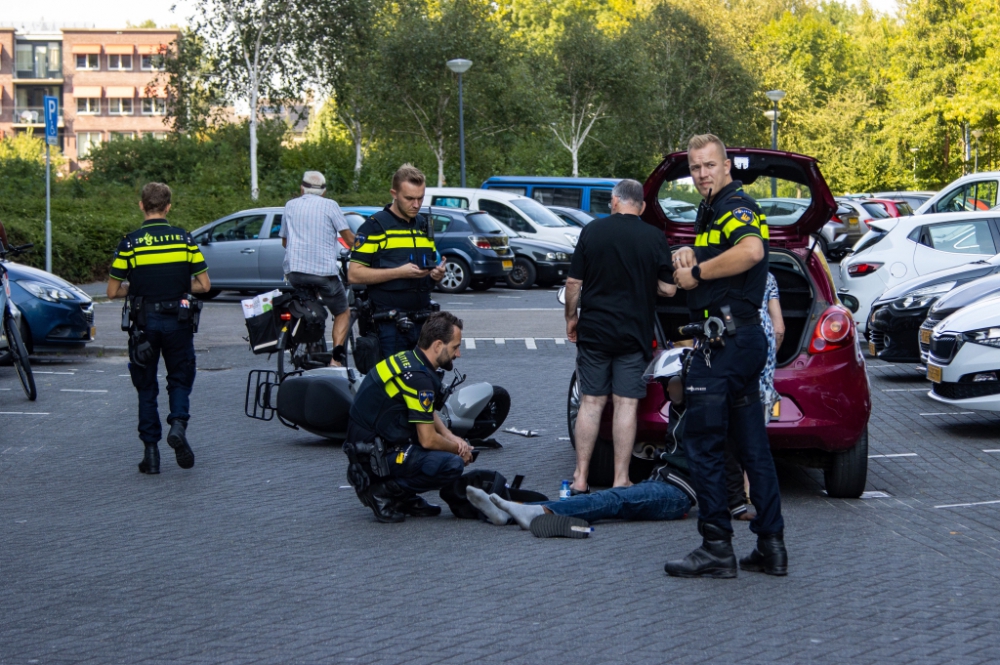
[619, 267]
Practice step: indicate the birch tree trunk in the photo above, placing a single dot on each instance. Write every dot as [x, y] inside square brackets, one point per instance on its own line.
[254, 187]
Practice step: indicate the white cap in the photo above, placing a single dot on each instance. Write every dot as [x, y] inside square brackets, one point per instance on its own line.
[313, 180]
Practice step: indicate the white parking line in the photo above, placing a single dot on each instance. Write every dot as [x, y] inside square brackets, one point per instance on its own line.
[470, 342]
[23, 413]
[499, 340]
[37, 371]
[905, 390]
[561, 340]
[80, 390]
[991, 450]
[895, 455]
[965, 505]
[950, 413]
[530, 343]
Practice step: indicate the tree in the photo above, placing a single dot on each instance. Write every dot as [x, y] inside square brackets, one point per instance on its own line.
[250, 45]
[195, 99]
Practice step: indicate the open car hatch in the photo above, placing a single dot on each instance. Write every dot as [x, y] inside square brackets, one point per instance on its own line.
[788, 187]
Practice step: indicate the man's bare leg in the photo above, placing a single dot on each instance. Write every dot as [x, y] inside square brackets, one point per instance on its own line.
[588, 424]
[623, 431]
[340, 324]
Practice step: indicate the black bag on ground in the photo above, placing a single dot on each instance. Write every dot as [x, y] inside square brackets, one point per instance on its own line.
[367, 352]
[491, 482]
[263, 333]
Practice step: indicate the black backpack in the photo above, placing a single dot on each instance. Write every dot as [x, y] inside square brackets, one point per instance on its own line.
[491, 482]
[308, 320]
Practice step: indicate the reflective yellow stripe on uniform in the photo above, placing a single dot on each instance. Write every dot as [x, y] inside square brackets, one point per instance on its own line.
[407, 242]
[701, 240]
[120, 264]
[160, 259]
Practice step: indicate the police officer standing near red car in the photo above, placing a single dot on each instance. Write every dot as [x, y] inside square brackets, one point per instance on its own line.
[163, 265]
[724, 276]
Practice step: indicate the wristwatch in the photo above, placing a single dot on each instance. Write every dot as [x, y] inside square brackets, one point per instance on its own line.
[696, 273]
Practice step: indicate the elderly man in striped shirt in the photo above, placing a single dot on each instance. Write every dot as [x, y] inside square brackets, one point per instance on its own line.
[309, 233]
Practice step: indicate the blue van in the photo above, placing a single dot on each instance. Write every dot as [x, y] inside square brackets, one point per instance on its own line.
[590, 194]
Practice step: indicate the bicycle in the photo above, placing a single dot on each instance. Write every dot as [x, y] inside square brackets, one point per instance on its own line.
[11, 332]
[302, 333]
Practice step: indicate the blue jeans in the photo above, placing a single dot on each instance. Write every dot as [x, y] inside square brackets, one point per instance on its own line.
[392, 340]
[174, 341]
[648, 500]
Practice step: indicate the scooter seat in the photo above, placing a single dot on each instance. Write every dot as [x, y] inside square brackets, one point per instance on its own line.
[320, 400]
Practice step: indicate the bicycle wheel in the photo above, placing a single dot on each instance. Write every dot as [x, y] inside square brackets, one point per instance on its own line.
[19, 355]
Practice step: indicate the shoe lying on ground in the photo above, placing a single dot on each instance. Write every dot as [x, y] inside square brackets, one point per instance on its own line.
[177, 439]
[560, 526]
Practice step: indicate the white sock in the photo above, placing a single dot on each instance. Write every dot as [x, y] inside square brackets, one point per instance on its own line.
[481, 500]
[521, 512]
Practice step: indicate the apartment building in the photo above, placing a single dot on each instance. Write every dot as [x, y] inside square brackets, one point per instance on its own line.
[108, 83]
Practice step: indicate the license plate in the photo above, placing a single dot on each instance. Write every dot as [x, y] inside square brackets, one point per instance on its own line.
[925, 336]
[93, 332]
[508, 265]
[934, 373]
[852, 222]
[871, 348]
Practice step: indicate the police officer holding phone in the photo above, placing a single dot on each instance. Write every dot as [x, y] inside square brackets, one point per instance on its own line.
[162, 265]
[724, 276]
[394, 255]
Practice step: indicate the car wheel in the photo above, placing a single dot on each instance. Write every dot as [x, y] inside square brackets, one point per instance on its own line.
[208, 295]
[523, 274]
[602, 462]
[847, 472]
[456, 275]
[484, 284]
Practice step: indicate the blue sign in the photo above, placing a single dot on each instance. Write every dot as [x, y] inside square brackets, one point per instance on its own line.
[51, 120]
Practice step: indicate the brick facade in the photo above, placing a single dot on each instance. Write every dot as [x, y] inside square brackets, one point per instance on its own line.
[109, 85]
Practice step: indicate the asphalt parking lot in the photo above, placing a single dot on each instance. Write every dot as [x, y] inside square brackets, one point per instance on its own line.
[261, 554]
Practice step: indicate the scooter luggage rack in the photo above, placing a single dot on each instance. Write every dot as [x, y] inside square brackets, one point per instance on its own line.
[261, 384]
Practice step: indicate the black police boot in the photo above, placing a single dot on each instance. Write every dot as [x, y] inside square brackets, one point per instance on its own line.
[150, 460]
[769, 557]
[715, 557]
[382, 501]
[177, 440]
[357, 475]
[417, 506]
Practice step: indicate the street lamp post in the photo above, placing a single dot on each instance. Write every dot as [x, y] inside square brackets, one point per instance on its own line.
[977, 134]
[775, 96]
[460, 66]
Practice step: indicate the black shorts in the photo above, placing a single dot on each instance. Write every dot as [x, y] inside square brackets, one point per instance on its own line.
[601, 373]
[331, 291]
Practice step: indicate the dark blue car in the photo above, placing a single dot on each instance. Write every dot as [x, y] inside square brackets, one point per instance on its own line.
[55, 315]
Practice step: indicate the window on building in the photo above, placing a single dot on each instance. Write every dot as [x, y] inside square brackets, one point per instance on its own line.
[157, 136]
[88, 61]
[88, 106]
[24, 61]
[120, 106]
[118, 136]
[120, 63]
[85, 142]
[154, 106]
[152, 62]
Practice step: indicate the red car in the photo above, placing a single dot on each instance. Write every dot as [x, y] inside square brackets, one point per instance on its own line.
[822, 418]
[883, 208]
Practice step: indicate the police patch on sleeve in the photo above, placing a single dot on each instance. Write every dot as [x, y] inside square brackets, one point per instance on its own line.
[359, 240]
[426, 398]
[745, 215]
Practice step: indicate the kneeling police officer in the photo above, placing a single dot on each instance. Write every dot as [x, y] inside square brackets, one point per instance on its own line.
[397, 445]
[724, 276]
[163, 265]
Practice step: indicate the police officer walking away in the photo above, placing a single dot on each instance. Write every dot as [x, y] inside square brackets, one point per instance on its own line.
[413, 451]
[394, 255]
[161, 264]
[724, 276]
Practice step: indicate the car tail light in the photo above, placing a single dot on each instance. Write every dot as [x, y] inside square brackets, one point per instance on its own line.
[343, 243]
[861, 269]
[834, 330]
[481, 242]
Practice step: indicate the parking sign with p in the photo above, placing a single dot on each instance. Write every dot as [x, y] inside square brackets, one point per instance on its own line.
[51, 120]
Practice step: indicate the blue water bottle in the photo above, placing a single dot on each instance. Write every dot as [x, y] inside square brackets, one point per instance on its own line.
[564, 491]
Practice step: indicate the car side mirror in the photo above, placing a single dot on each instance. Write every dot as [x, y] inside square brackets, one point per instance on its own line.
[206, 240]
[850, 302]
[561, 296]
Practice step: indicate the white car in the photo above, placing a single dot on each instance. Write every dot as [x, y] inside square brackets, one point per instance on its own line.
[525, 216]
[902, 248]
[970, 193]
[964, 362]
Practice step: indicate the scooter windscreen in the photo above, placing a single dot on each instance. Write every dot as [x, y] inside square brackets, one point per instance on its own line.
[666, 363]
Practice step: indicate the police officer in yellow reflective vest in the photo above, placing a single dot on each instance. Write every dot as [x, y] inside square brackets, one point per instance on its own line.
[394, 409]
[162, 265]
[395, 256]
[724, 277]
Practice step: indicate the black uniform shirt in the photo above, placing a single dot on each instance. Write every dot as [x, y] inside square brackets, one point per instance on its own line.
[158, 260]
[735, 215]
[395, 396]
[388, 241]
[619, 260]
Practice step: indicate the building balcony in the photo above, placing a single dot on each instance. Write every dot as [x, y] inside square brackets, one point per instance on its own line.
[32, 116]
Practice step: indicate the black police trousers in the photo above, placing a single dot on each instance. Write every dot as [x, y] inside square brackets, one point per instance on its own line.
[413, 467]
[174, 340]
[722, 395]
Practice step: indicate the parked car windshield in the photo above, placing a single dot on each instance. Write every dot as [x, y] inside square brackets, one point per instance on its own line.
[904, 208]
[876, 210]
[679, 200]
[483, 223]
[538, 213]
[782, 212]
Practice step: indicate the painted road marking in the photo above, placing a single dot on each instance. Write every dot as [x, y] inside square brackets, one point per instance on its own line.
[530, 343]
[895, 455]
[80, 390]
[499, 340]
[45, 372]
[992, 450]
[560, 340]
[470, 343]
[905, 390]
[965, 505]
[23, 413]
[951, 413]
